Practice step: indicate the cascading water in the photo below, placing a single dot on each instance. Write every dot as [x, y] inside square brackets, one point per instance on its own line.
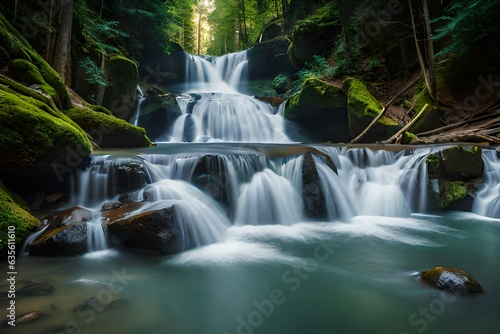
[214, 108]
[487, 201]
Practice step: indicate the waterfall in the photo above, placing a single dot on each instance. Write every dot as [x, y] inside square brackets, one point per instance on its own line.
[487, 201]
[268, 199]
[96, 236]
[379, 183]
[214, 107]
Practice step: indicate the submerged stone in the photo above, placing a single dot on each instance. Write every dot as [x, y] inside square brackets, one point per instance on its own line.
[451, 280]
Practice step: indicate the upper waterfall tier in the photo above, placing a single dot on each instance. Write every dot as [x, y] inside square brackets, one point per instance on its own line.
[223, 74]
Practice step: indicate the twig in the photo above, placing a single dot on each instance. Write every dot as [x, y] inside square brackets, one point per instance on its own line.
[376, 118]
[407, 126]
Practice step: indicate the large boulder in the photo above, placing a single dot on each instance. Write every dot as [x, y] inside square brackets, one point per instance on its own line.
[108, 131]
[65, 235]
[268, 59]
[121, 95]
[314, 34]
[451, 279]
[151, 231]
[362, 108]
[157, 114]
[34, 136]
[320, 110]
[454, 176]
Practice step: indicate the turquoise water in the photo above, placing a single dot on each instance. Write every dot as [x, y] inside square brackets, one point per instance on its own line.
[358, 276]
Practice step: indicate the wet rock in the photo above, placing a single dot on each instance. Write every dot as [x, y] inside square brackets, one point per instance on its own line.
[93, 303]
[461, 163]
[451, 280]
[454, 176]
[158, 113]
[111, 206]
[65, 235]
[314, 201]
[211, 176]
[22, 319]
[151, 231]
[36, 289]
[120, 210]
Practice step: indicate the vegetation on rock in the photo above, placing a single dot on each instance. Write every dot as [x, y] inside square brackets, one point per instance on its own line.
[14, 212]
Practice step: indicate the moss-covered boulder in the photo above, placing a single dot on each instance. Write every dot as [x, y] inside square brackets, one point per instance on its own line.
[268, 59]
[15, 47]
[362, 107]
[108, 131]
[454, 175]
[157, 114]
[121, 95]
[430, 119]
[314, 34]
[33, 136]
[14, 217]
[451, 279]
[66, 234]
[320, 110]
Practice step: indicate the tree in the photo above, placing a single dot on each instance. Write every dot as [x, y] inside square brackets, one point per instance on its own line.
[426, 64]
[59, 57]
[467, 24]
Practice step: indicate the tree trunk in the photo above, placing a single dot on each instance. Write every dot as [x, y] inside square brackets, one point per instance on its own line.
[102, 89]
[61, 54]
[199, 31]
[431, 66]
[421, 61]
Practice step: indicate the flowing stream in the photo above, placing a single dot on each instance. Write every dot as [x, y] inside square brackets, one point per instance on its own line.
[256, 258]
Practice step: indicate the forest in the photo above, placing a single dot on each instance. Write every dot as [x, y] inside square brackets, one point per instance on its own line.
[244, 166]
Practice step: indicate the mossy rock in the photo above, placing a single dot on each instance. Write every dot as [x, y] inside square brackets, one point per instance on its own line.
[16, 47]
[320, 109]
[461, 162]
[430, 118]
[33, 135]
[314, 34]
[362, 107]
[14, 212]
[121, 95]
[450, 195]
[28, 74]
[109, 131]
[451, 279]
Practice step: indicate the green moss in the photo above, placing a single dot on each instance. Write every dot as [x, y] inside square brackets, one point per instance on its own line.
[31, 130]
[449, 191]
[360, 100]
[431, 117]
[19, 48]
[123, 77]
[109, 131]
[101, 109]
[317, 93]
[408, 137]
[13, 213]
